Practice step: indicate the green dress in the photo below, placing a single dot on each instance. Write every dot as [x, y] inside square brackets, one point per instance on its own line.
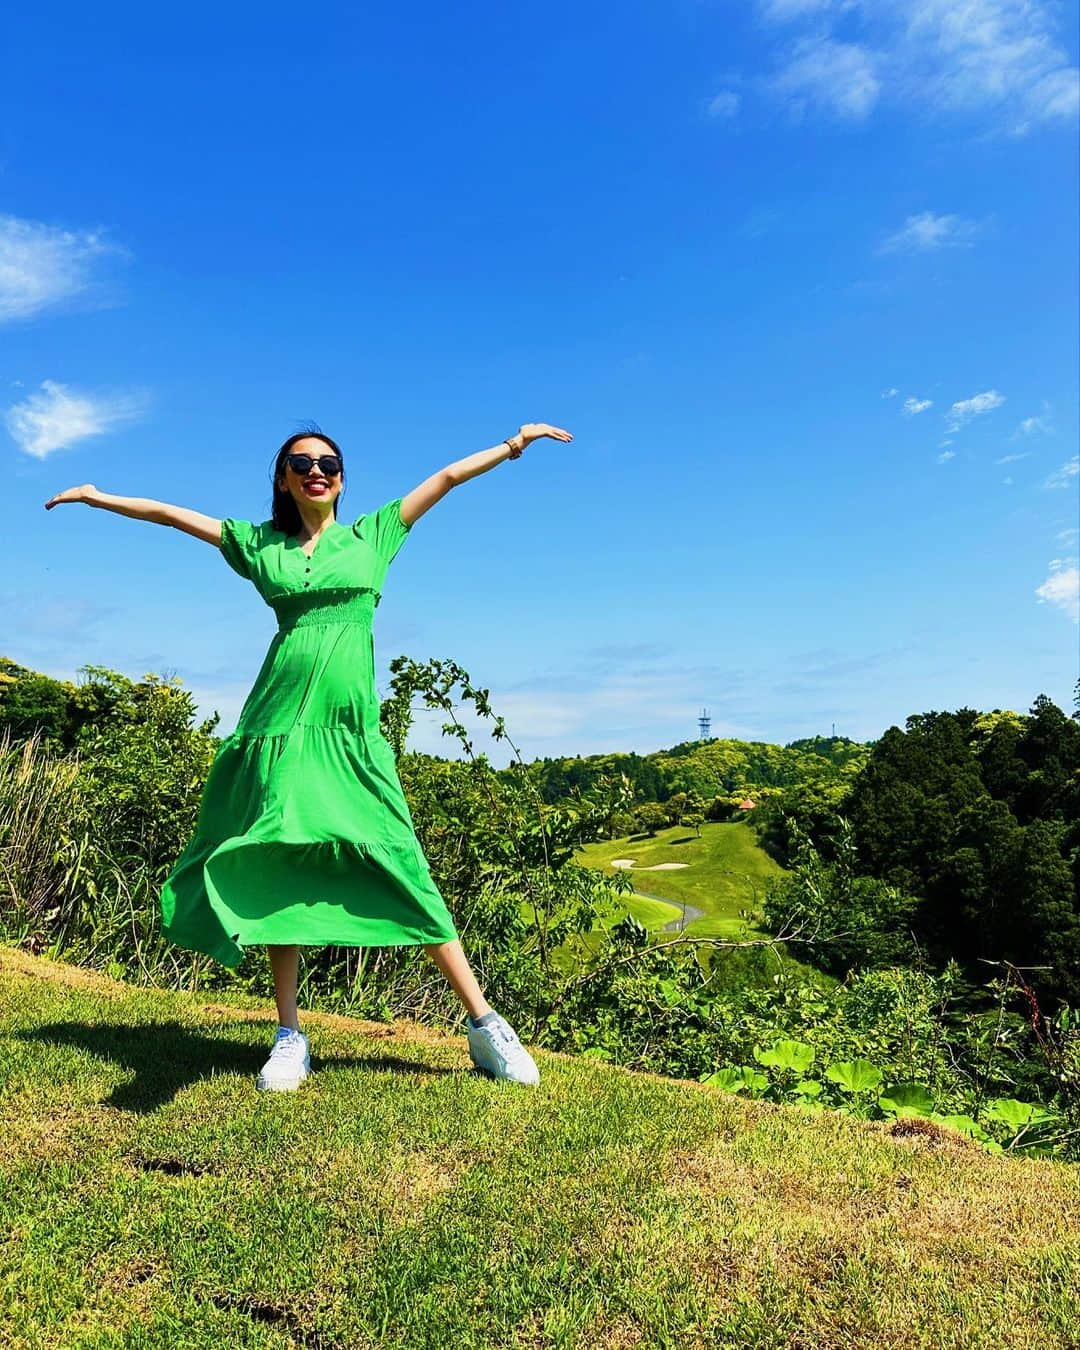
[303, 834]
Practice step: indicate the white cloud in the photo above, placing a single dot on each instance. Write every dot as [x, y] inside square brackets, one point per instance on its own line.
[967, 408]
[1062, 478]
[1062, 587]
[1000, 58]
[946, 455]
[912, 406]
[59, 416]
[1008, 459]
[1030, 425]
[890, 393]
[41, 265]
[925, 231]
[1067, 536]
[1056, 95]
[996, 54]
[839, 77]
[1006, 481]
[724, 104]
[946, 441]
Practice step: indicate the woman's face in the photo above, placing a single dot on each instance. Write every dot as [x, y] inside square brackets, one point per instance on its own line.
[313, 487]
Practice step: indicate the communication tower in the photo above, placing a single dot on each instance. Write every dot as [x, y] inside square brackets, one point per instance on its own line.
[704, 722]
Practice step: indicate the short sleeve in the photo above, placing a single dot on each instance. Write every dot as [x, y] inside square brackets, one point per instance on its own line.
[383, 529]
[238, 546]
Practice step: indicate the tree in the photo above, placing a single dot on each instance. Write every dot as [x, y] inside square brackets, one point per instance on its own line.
[650, 817]
[980, 818]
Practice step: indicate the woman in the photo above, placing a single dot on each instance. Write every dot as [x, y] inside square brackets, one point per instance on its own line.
[303, 833]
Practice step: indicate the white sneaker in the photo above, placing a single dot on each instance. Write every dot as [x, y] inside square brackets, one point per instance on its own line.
[495, 1048]
[289, 1063]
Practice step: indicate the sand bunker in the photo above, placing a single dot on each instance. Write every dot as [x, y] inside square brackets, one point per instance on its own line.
[656, 867]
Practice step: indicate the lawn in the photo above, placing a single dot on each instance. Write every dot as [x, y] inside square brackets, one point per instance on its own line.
[724, 872]
[151, 1197]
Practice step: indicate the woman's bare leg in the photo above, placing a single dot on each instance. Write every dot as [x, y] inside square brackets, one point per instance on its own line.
[448, 956]
[285, 962]
[451, 960]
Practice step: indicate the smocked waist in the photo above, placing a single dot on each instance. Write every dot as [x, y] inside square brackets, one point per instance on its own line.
[329, 606]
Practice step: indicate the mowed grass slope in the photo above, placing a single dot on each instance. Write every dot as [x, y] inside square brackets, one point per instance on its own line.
[726, 871]
[151, 1197]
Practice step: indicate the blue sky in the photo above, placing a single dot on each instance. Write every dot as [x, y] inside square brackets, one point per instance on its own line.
[800, 277]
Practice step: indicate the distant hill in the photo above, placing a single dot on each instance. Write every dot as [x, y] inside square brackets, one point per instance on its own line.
[709, 768]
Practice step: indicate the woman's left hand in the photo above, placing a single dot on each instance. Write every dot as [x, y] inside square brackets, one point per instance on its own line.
[532, 431]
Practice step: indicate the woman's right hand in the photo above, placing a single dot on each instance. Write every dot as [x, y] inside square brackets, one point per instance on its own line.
[72, 494]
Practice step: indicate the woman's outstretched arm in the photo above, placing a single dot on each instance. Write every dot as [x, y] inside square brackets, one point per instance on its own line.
[433, 489]
[144, 508]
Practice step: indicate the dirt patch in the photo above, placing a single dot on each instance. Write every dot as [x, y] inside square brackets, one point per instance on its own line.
[927, 1134]
[293, 1319]
[170, 1167]
[132, 1271]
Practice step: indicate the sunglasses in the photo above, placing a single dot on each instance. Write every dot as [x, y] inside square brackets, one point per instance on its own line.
[330, 464]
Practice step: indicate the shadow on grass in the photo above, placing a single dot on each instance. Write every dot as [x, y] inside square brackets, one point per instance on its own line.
[166, 1057]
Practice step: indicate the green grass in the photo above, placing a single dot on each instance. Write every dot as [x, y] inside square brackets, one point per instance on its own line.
[726, 872]
[151, 1197]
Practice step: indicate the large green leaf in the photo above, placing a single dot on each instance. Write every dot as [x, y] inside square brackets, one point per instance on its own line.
[857, 1075]
[734, 1079]
[1017, 1114]
[965, 1124]
[795, 1056]
[726, 1079]
[906, 1099]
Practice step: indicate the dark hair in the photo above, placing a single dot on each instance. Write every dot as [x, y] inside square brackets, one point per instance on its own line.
[285, 514]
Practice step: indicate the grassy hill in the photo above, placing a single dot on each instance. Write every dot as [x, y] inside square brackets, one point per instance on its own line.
[720, 873]
[717, 876]
[151, 1197]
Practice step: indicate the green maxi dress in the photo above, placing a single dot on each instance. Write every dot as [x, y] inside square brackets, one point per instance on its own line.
[303, 834]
